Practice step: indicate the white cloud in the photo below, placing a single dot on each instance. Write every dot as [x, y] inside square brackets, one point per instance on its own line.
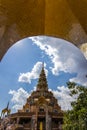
[62, 94]
[81, 79]
[61, 53]
[64, 99]
[51, 51]
[18, 98]
[34, 74]
[64, 56]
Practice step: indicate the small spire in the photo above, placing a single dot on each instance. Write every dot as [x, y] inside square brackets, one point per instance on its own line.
[42, 81]
[43, 65]
[7, 105]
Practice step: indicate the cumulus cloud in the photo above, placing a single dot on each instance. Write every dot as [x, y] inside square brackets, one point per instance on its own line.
[18, 98]
[64, 56]
[64, 99]
[62, 94]
[81, 79]
[34, 74]
[51, 51]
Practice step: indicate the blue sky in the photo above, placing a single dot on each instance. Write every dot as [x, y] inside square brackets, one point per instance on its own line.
[21, 65]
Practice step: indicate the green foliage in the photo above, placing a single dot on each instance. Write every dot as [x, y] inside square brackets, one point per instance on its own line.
[76, 119]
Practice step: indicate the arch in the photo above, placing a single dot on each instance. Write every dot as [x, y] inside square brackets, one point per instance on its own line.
[42, 17]
[42, 104]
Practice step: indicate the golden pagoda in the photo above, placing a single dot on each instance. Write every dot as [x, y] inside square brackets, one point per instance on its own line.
[41, 111]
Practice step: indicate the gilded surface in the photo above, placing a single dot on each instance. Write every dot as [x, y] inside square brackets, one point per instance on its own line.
[65, 19]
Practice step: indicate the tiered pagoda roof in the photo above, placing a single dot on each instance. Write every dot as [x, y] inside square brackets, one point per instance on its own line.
[42, 96]
[40, 108]
[42, 82]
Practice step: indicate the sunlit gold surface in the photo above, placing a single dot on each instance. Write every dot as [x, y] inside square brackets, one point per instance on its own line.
[65, 19]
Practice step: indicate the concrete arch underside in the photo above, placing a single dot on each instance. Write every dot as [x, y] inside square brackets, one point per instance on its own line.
[66, 19]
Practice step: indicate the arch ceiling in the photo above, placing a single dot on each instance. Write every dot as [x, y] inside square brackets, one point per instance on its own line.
[65, 19]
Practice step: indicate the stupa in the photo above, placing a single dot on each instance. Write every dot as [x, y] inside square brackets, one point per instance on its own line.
[41, 110]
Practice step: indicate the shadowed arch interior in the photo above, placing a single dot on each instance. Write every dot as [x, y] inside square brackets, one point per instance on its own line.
[63, 18]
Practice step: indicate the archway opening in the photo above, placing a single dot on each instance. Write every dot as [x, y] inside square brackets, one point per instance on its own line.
[21, 65]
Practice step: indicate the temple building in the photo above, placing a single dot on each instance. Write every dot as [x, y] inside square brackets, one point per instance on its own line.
[41, 110]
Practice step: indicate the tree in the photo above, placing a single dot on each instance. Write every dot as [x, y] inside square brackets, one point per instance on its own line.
[76, 119]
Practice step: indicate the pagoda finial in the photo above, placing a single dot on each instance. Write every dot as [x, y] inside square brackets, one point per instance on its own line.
[43, 64]
[42, 81]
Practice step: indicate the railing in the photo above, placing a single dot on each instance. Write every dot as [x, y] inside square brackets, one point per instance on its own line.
[22, 114]
[55, 114]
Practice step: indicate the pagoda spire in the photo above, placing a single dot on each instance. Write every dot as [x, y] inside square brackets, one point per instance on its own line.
[42, 81]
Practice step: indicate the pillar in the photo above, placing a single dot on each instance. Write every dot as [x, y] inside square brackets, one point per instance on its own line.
[18, 119]
[34, 122]
[48, 121]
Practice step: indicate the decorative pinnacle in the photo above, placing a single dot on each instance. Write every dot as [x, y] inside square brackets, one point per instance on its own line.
[42, 81]
[42, 65]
